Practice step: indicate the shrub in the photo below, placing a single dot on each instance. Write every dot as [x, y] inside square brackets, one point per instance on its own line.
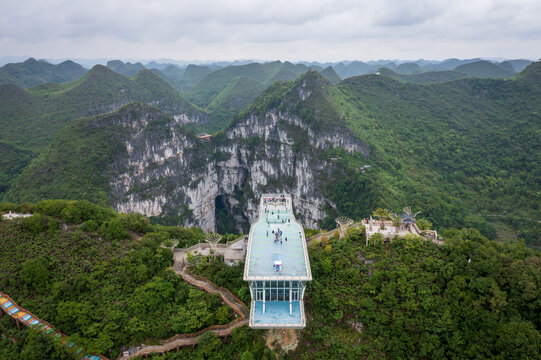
[52, 225]
[7, 206]
[424, 224]
[35, 272]
[89, 225]
[71, 214]
[135, 222]
[35, 223]
[113, 230]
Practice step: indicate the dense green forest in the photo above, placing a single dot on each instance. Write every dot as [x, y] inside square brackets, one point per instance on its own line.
[102, 278]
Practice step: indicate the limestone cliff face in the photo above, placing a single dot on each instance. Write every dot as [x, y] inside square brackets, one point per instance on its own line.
[167, 173]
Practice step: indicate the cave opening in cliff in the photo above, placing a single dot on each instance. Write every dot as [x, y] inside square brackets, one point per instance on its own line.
[225, 220]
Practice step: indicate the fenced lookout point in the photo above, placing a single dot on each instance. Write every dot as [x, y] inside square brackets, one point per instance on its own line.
[277, 266]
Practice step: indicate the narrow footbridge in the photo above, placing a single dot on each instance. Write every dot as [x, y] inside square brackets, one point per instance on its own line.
[26, 318]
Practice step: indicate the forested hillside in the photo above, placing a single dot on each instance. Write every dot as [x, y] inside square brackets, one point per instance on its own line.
[452, 148]
[102, 278]
[448, 149]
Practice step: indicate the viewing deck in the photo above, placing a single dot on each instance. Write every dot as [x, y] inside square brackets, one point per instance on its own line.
[263, 250]
[277, 266]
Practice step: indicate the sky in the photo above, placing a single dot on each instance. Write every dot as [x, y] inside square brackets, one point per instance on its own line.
[271, 30]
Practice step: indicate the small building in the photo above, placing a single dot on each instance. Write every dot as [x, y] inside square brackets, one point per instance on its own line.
[12, 216]
[205, 136]
[364, 168]
[388, 230]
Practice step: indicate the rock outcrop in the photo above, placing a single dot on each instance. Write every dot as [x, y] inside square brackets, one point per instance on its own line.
[167, 173]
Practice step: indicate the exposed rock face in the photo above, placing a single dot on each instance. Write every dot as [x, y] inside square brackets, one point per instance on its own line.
[284, 339]
[165, 172]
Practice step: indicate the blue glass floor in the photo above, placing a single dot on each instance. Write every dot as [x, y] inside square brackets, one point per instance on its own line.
[265, 250]
[277, 313]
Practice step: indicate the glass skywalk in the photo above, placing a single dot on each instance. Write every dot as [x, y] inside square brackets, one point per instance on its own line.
[277, 266]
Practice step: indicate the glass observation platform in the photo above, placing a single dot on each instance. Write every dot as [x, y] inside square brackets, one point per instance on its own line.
[277, 266]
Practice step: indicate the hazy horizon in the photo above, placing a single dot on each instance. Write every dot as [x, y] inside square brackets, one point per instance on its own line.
[179, 62]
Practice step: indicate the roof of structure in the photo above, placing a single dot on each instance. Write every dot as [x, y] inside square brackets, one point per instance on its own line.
[264, 250]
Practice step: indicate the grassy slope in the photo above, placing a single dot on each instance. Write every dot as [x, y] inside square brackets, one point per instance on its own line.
[210, 86]
[331, 75]
[127, 69]
[191, 76]
[238, 94]
[408, 69]
[202, 93]
[428, 77]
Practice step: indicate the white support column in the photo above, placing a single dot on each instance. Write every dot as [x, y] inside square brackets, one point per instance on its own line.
[264, 291]
[290, 306]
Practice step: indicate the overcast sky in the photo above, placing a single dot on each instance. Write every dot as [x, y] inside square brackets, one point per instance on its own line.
[271, 29]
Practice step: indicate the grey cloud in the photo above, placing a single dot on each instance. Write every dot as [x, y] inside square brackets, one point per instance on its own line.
[59, 28]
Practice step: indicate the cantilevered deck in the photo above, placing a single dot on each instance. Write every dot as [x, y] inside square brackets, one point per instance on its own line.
[277, 266]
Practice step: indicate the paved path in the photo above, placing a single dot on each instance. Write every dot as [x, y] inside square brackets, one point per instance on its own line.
[25, 317]
[182, 340]
[329, 234]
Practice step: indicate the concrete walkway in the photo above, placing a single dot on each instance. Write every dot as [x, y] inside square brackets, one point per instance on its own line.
[329, 234]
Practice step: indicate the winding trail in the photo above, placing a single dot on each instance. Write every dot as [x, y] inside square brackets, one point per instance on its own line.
[182, 340]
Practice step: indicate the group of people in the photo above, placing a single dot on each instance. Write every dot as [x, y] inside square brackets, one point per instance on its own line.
[283, 221]
[277, 235]
[275, 199]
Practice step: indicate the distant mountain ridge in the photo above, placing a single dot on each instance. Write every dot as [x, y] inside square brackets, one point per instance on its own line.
[32, 72]
[128, 69]
[485, 69]
[428, 130]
